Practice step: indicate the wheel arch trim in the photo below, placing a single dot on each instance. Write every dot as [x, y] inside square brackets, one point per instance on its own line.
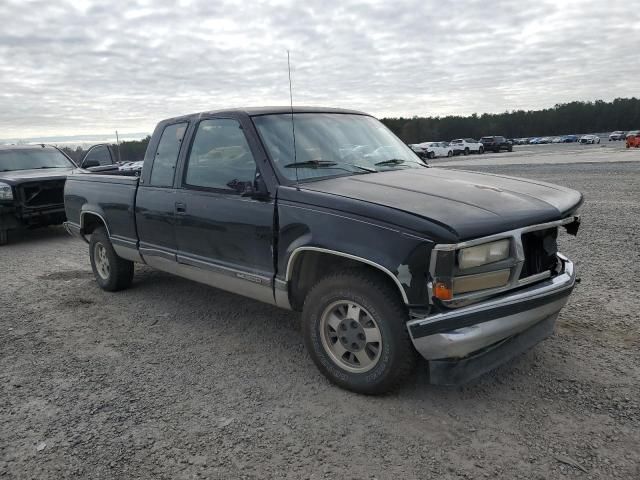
[99, 215]
[297, 251]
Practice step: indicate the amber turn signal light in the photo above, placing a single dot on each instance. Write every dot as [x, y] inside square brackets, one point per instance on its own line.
[442, 291]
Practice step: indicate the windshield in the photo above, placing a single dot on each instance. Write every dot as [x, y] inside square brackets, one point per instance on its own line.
[32, 158]
[330, 144]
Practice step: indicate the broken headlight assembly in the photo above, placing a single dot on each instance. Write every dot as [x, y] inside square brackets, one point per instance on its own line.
[6, 192]
[472, 269]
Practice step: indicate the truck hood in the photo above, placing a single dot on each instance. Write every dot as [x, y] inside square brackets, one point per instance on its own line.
[468, 204]
[21, 176]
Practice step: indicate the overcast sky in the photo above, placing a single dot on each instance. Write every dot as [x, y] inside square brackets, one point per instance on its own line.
[83, 67]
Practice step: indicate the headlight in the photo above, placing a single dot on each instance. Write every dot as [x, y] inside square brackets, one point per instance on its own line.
[482, 254]
[6, 193]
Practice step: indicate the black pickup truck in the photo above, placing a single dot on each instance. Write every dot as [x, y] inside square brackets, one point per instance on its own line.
[31, 187]
[384, 256]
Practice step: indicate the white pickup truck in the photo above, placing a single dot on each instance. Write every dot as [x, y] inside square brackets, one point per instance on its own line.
[466, 146]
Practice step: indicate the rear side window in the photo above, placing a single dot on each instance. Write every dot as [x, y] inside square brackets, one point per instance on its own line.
[100, 154]
[164, 163]
[220, 157]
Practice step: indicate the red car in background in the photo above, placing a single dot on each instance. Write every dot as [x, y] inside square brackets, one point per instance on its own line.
[633, 139]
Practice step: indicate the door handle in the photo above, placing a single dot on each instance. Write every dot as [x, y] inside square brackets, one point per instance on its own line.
[181, 208]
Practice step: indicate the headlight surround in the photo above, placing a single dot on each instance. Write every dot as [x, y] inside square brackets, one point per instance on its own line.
[483, 254]
[6, 192]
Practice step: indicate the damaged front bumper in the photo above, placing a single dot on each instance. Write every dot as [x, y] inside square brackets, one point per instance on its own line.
[464, 343]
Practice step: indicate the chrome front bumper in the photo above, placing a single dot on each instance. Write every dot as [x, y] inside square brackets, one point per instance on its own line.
[464, 331]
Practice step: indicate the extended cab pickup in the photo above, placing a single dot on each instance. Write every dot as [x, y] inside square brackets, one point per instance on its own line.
[384, 256]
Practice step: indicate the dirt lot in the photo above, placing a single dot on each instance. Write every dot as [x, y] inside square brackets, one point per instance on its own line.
[172, 379]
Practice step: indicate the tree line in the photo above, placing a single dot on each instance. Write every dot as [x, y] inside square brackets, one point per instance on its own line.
[130, 150]
[566, 118]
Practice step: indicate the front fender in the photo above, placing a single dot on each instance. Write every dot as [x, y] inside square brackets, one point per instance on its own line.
[401, 255]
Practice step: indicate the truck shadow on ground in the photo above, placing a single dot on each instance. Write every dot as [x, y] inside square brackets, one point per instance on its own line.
[229, 318]
[35, 236]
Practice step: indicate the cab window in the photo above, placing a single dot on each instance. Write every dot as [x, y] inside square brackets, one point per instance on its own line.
[220, 157]
[166, 157]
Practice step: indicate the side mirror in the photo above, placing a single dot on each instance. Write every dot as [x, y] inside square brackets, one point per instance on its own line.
[257, 189]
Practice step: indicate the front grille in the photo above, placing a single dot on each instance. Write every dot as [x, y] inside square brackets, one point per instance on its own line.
[41, 194]
[540, 249]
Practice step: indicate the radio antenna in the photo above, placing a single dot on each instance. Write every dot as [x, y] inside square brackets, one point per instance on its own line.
[118, 144]
[293, 123]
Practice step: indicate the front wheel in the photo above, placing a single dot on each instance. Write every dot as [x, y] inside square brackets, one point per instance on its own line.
[480, 151]
[112, 273]
[431, 155]
[450, 153]
[354, 329]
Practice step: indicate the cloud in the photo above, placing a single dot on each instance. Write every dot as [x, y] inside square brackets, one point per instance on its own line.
[83, 67]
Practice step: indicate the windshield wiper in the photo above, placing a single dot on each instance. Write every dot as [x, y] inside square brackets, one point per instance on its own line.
[49, 167]
[362, 167]
[391, 161]
[312, 164]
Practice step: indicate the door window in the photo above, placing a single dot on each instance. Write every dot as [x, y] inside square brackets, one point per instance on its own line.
[164, 163]
[220, 157]
[99, 154]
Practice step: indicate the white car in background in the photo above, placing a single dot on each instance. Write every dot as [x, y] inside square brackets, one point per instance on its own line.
[433, 149]
[590, 139]
[466, 146]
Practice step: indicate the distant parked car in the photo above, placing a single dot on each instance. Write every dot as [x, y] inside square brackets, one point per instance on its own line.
[617, 135]
[496, 143]
[570, 139]
[590, 139]
[438, 149]
[428, 150]
[557, 140]
[466, 146]
[633, 139]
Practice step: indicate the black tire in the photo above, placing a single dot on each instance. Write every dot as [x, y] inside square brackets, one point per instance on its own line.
[466, 151]
[496, 150]
[480, 150]
[120, 271]
[450, 153]
[4, 237]
[510, 148]
[397, 357]
[431, 155]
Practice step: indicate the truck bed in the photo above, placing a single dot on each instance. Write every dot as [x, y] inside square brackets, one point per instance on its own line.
[110, 196]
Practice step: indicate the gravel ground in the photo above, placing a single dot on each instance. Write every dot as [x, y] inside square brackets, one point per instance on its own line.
[172, 379]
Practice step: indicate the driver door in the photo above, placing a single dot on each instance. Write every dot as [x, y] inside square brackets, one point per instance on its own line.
[221, 229]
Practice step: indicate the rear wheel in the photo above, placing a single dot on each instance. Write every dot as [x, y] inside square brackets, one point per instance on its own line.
[480, 150]
[112, 273]
[354, 329]
[450, 153]
[510, 148]
[466, 151]
[431, 155]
